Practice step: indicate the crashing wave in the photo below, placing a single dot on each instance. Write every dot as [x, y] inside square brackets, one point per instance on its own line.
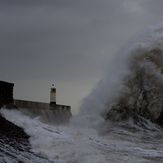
[135, 88]
[142, 87]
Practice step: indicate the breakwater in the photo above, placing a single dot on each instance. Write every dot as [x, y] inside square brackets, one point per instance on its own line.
[47, 112]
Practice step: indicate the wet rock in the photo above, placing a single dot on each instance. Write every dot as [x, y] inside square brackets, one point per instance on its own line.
[15, 146]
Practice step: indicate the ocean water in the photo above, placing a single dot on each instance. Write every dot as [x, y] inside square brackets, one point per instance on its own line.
[116, 142]
[116, 120]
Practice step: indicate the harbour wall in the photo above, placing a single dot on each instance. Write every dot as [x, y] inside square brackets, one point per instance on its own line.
[48, 113]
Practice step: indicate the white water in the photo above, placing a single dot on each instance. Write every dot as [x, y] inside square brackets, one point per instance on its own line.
[74, 144]
[88, 138]
[136, 82]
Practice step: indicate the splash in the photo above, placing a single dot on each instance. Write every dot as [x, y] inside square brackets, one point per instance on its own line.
[135, 87]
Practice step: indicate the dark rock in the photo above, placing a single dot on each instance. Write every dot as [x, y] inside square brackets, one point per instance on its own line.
[159, 120]
[15, 146]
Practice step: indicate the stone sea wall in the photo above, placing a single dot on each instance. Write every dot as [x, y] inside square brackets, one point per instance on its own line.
[53, 114]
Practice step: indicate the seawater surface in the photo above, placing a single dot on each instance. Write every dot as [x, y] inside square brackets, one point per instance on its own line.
[117, 142]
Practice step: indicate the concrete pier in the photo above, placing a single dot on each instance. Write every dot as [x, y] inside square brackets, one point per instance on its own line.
[48, 113]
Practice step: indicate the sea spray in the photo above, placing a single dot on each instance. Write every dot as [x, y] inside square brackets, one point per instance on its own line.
[61, 144]
[135, 87]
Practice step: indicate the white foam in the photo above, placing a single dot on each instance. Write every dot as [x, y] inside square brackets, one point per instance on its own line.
[57, 143]
[144, 53]
[84, 145]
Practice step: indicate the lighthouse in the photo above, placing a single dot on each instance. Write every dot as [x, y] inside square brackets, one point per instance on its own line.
[53, 95]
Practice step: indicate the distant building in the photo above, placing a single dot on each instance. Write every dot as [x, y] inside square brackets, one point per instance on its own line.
[6, 93]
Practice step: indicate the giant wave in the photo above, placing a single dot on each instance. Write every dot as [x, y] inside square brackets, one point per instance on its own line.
[135, 86]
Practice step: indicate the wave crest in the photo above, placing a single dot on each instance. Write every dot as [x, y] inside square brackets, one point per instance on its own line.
[136, 85]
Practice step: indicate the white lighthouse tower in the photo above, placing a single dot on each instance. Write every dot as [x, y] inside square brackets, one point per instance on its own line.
[53, 95]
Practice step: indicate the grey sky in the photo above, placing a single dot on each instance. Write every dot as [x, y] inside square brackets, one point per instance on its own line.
[70, 43]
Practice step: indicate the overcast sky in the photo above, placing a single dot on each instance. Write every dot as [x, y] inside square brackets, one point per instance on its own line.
[71, 43]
